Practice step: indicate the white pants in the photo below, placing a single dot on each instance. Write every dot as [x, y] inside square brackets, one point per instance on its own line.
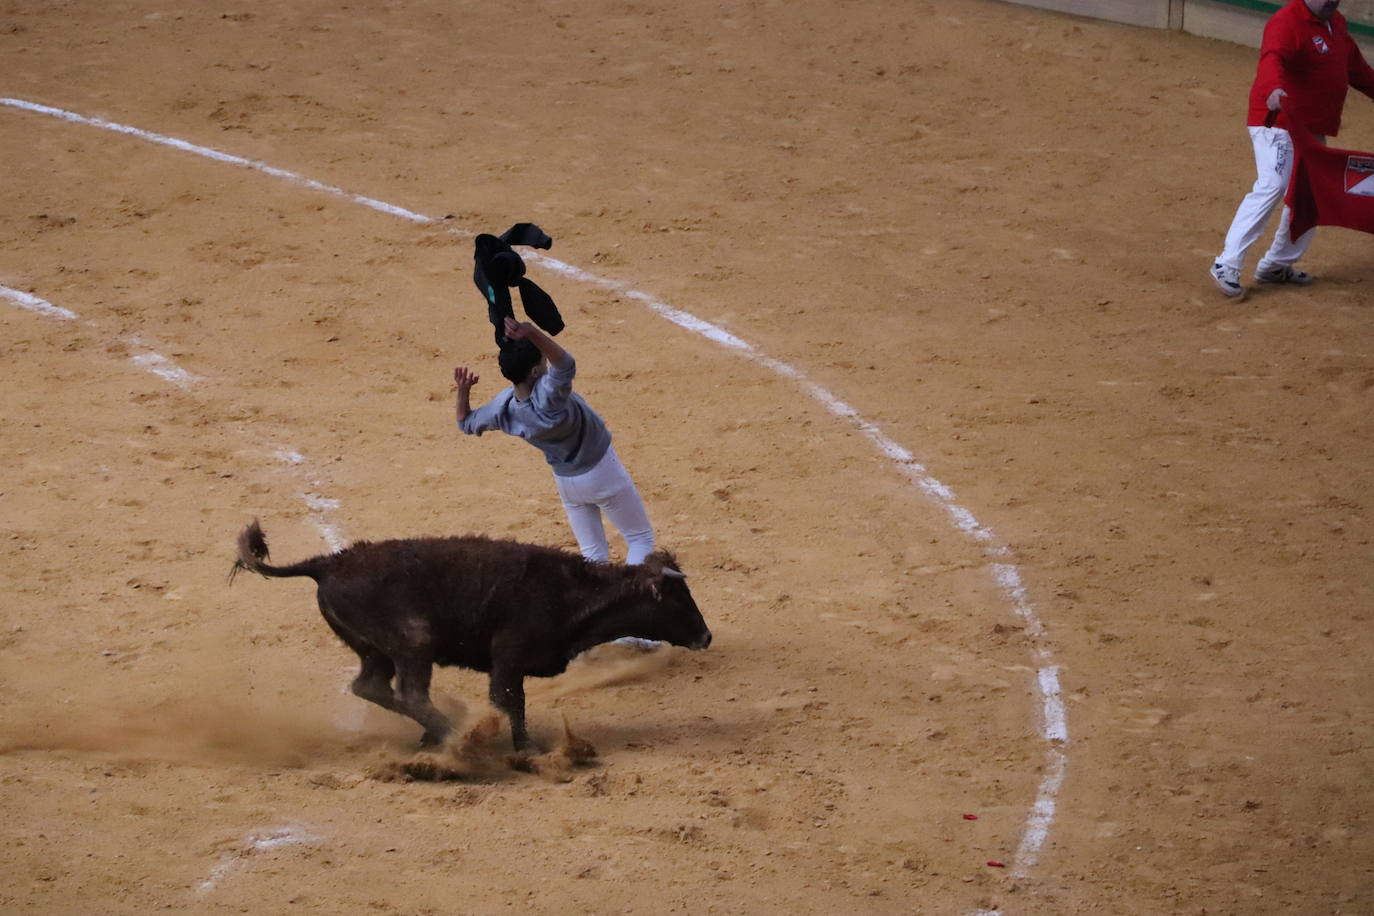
[606, 488]
[1273, 168]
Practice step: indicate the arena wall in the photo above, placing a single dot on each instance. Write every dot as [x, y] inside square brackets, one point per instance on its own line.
[1155, 14]
[1241, 21]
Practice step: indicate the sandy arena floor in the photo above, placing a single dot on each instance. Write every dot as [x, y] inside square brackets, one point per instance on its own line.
[981, 229]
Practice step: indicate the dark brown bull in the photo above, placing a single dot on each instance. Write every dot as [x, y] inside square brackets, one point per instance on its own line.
[510, 609]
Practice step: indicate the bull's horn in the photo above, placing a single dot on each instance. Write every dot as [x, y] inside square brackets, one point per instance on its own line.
[670, 573]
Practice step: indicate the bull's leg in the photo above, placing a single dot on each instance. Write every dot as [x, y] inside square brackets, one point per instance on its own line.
[412, 699]
[373, 682]
[507, 692]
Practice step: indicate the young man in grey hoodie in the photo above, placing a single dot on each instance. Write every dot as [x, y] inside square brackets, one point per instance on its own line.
[541, 408]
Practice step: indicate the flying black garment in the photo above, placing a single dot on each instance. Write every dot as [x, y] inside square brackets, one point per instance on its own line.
[496, 268]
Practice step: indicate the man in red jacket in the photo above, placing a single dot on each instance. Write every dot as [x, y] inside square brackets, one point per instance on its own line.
[1307, 62]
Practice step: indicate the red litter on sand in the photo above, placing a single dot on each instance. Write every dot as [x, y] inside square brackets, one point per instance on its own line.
[998, 864]
[970, 817]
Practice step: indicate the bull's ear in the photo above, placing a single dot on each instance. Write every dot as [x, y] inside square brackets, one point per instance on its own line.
[649, 577]
[656, 567]
[660, 561]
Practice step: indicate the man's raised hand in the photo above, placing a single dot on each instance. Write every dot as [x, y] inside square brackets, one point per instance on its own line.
[465, 377]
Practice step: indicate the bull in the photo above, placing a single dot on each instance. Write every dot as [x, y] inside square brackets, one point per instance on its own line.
[509, 609]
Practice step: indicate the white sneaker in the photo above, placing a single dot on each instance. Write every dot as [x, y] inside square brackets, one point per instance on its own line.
[635, 642]
[1282, 273]
[1227, 280]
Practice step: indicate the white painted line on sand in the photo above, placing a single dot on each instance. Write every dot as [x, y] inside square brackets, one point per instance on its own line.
[254, 843]
[320, 506]
[216, 155]
[164, 368]
[148, 360]
[34, 304]
[1054, 717]
[161, 366]
[1053, 729]
[168, 370]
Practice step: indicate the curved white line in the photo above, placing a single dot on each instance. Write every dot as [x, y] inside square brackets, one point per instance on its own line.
[34, 304]
[168, 370]
[273, 839]
[216, 155]
[1054, 725]
[161, 366]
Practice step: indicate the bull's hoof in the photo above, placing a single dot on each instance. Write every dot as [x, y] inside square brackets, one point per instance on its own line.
[431, 740]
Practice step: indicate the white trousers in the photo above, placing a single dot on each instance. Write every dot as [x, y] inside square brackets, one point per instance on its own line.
[606, 488]
[1273, 169]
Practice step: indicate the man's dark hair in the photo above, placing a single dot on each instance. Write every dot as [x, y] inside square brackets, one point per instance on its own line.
[517, 359]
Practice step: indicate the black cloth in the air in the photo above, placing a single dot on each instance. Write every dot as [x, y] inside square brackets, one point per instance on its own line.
[496, 268]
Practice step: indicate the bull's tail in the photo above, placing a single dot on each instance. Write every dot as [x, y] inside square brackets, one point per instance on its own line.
[253, 557]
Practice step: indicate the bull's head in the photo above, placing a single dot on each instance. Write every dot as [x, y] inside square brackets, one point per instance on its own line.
[678, 617]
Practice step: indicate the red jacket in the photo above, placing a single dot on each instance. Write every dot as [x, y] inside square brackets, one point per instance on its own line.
[1314, 62]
